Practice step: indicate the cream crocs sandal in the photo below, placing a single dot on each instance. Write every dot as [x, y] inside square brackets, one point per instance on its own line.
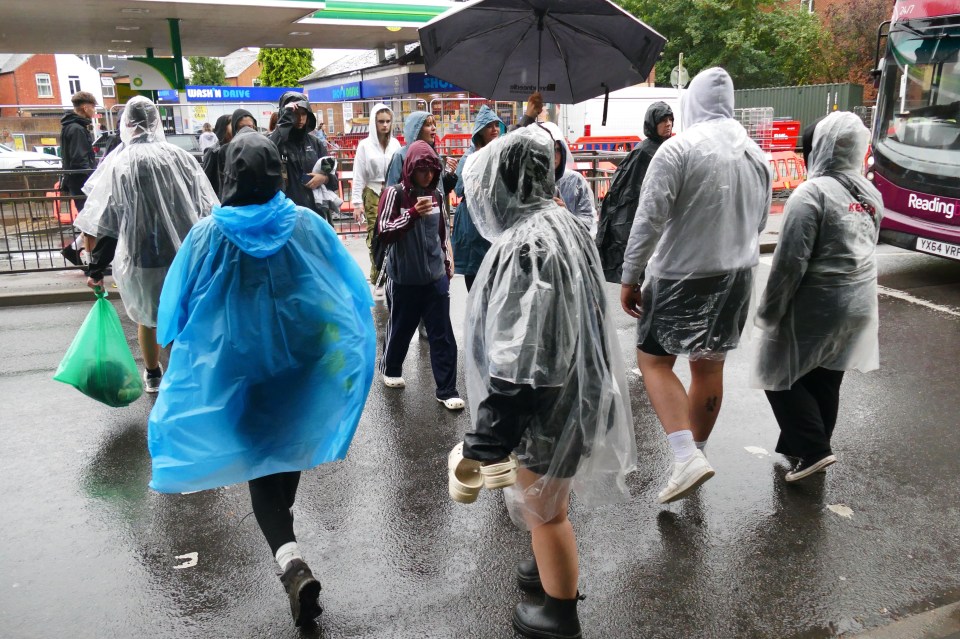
[501, 474]
[464, 478]
[452, 403]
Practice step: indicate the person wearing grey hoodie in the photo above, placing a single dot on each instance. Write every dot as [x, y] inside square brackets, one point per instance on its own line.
[370, 174]
[469, 246]
[695, 242]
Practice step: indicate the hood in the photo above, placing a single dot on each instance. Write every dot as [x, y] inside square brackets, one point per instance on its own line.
[510, 179]
[839, 144]
[421, 154]
[220, 128]
[238, 115]
[656, 113]
[377, 108]
[259, 230]
[75, 118]
[566, 158]
[252, 170]
[301, 100]
[412, 125]
[140, 116]
[485, 116]
[710, 97]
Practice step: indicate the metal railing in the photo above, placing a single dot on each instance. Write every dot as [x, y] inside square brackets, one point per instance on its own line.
[36, 221]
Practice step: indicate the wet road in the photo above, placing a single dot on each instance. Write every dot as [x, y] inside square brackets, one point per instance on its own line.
[89, 551]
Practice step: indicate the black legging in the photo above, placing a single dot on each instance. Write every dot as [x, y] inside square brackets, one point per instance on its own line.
[272, 498]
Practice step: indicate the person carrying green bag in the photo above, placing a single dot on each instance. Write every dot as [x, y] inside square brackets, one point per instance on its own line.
[99, 363]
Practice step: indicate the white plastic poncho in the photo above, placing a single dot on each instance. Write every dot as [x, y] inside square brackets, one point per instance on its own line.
[148, 197]
[573, 187]
[820, 307]
[695, 236]
[537, 323]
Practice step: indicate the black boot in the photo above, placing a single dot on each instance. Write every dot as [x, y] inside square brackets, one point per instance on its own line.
[554, 619]
[303, 591]
[528, 576]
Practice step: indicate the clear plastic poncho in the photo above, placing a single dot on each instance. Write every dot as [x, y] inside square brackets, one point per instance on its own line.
[695, 238]
[574, 189]
[148, 195]
[537, 324]
[820, 306]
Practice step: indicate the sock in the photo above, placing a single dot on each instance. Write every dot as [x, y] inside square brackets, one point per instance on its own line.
[287, 553]
[701, 446]
[682, 444]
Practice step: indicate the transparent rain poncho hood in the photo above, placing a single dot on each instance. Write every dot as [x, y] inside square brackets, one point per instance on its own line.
[537, 319]
[820, 306]
[574, 189]
[695, 235]
[273, 342]
[148, 196]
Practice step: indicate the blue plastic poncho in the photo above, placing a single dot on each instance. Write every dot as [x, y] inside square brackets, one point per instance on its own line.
[273, 349]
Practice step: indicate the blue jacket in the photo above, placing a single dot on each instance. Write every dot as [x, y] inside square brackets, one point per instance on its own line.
[469, 246]
[273, 349]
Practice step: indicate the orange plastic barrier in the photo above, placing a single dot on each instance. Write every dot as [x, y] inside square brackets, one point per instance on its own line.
[454, 144]
[788, 170]
[64, 217]
[606, 143]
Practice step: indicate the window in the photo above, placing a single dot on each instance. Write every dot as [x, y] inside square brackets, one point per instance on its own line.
[44, 86]
[107, 86]
[74, 83]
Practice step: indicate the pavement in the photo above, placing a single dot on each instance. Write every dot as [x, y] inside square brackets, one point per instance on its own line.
[872, 547]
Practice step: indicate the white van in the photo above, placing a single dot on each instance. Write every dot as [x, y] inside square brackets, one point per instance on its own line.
[624, 113]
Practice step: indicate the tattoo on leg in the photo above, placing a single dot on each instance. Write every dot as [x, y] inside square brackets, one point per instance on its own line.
[711, 404]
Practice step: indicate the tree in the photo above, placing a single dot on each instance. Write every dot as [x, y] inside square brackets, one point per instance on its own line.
[206, 71]
[853, 28]
[284, 67]
[759, 42]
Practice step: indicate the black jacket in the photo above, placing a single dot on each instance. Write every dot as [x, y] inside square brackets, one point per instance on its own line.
[299, 151]
[76, 150]
[620, 204]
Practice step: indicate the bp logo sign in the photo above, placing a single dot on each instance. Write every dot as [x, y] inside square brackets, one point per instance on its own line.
[138, 82]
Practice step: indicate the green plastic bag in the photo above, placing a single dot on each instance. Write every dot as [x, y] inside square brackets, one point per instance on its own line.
[99, 363]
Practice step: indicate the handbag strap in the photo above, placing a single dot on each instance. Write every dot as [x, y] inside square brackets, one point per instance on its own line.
[858, 195]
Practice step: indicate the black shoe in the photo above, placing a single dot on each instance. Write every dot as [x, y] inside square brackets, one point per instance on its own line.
[528, 576]
[809, 466]
[71, 255]
[554, 619]
[303, 591]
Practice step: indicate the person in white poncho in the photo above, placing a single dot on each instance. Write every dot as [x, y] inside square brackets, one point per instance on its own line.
[819, 312]
[146, 197]
[695, 243]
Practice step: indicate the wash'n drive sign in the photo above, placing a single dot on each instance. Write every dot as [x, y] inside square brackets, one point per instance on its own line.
[236, 94]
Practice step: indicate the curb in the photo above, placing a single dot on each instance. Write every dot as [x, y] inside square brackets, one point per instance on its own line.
[940, 623]
[767, 247]
[53, 297]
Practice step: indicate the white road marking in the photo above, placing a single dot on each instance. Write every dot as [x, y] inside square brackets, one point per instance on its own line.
[907, 297]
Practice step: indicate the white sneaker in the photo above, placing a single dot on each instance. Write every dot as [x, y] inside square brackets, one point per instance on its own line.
[393, 382]
[379, 293]
[152, 384]
[686, 477]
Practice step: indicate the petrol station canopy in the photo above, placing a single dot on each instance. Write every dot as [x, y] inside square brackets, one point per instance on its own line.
[208, 27]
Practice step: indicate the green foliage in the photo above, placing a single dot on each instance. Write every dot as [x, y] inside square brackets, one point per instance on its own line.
[759, 42]
[206, 71]
[853, 26]
[284, 67]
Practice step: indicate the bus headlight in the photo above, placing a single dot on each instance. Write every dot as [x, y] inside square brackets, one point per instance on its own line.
[870, 160]
[870, 175]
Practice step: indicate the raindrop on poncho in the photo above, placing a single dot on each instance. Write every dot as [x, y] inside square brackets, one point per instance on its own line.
[147, 196]
[820, 305]
[537, 327]
[273, 339]
[696, 235]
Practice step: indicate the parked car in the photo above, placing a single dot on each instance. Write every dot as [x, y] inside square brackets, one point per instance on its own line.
[188, 142]
[13, 159]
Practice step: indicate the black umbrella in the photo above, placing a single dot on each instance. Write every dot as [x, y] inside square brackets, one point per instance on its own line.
[569, 50]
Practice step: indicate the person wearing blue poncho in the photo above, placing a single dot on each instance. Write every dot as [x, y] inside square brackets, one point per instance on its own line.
[273, 354]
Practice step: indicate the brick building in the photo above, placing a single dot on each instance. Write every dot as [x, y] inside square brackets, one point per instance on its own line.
[241, 68]
[37, 81]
